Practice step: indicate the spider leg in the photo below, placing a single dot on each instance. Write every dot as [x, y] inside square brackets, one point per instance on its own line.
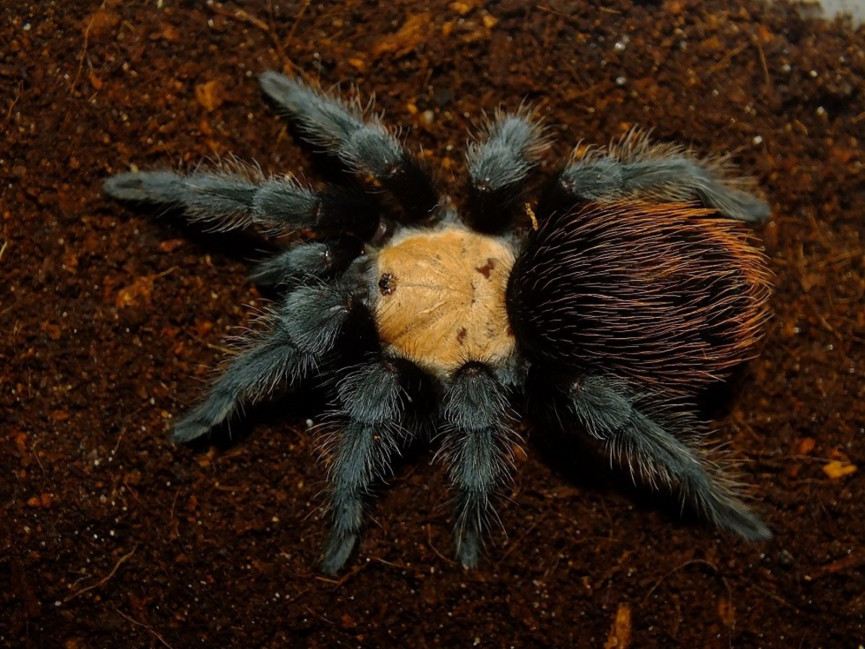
[299, 263]
[499, 163]
[373, 400]
[365, 146]
[229, 199]
[478, 448]
[304, 330]
[635, 169]
[608, 413]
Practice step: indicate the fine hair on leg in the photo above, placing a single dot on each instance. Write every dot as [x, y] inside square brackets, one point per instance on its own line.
[373, 401]
[238, 196]
[363, 144]
[609, 413]
[634, 168]
[477, 448]
[499, 163]
[303, 330]
[306, 261]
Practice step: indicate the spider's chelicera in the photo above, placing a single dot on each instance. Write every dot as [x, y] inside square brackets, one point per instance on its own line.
[614, 299]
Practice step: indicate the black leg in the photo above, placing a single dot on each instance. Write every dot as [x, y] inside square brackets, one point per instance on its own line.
[373, 401]
[238, 197]
[499, 164]
[607, 412]
[634, 168]
[304, 330]
[304, 261]
[478, 448]
[364, 145]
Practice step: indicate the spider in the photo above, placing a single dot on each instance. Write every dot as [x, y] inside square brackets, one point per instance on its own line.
[612, 301]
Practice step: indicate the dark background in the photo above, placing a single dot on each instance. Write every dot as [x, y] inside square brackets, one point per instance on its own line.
[111, 322]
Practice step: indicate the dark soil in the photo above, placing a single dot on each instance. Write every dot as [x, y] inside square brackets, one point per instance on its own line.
[112, 320]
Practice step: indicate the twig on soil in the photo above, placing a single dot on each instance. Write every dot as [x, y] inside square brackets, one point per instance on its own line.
[106, 578]
[724, 62]
[516, 543]
[296, 22]
[766, 77]
[268, 27]
[36, 443]
[391, 564]
[318, 616]
[842, 565]
[280, 50]
[84, 50]
[692, 562]
[144, 626]
[12, 106]
[219, 348]
[434, 548]
[777, 598]
[173, 504]
[238, 14]
[346, 577]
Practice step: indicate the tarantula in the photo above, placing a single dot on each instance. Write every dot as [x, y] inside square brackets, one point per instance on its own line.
[625, 290]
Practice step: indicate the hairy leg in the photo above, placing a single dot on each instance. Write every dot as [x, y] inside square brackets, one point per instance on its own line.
[373, 402]
[364, 145]
[604, 408]
[314, 259]
[633, 168]
[238, 197]
[499, 164]
[304, 330]
[478, 448]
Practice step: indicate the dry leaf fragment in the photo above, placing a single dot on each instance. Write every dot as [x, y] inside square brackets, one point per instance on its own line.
[620, 633]
[209, 95]
[837, 469]
[413, 32]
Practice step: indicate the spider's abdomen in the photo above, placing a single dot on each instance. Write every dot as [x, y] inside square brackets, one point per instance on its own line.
[440, 298]
[662, 294]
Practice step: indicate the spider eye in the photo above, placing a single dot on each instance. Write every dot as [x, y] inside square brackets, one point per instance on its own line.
[387, 283]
